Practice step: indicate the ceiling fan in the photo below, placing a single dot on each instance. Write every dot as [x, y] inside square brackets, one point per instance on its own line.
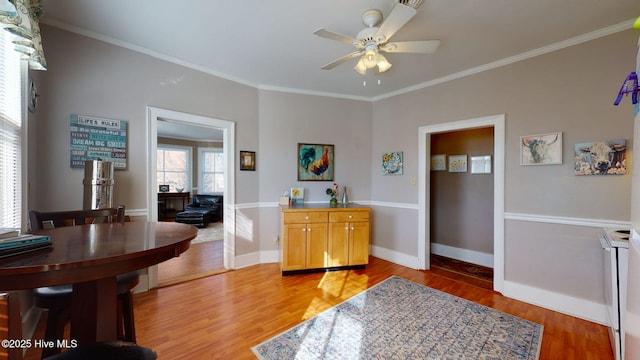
[374, 39]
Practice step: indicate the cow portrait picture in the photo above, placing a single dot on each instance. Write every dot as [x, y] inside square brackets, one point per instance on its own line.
[542, 149]
[601, 158]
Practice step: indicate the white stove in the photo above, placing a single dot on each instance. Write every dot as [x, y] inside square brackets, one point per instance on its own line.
[615, 245]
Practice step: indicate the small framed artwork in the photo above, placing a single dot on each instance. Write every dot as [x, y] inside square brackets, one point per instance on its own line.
[601, 158]
[392, 163]
[542, 149]
[248, 160]
[481, 164]
[458, 163]
[297, 195]
[315, 162]
[439, 162]
[163, 188]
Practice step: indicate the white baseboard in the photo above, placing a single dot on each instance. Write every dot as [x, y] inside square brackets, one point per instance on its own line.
[470, 256]
[580, 308]
[261, 257]
[395, 257]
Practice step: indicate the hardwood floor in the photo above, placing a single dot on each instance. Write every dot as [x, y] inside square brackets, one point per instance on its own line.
[202, 259]
[223, 316]
[457, 270]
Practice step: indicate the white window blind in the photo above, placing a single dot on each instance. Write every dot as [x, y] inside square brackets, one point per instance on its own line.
[10, 134]
[174, 167]
[211, 163]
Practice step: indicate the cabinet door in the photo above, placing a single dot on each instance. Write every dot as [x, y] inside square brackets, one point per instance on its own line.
[338, 244]
[294, 247]
[359, 243]
[316, 246]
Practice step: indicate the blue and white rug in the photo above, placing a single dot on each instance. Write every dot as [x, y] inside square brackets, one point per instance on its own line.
[400, 319]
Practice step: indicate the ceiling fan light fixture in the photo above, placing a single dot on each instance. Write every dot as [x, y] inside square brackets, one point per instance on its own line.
[383, 63]
[360, 68]
[370, 58]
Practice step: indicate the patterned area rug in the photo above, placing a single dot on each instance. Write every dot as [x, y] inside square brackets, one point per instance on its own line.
[400, 319]
[215, 231]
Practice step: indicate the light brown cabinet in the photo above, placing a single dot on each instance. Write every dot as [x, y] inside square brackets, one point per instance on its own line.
[318, 237]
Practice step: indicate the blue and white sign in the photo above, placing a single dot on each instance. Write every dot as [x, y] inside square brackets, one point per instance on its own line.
[98, 139]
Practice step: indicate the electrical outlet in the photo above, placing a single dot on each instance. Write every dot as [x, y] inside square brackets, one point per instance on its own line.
[413, 181]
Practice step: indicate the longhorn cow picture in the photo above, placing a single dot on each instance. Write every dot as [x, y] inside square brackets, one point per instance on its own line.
[543, 149]
[601, 158]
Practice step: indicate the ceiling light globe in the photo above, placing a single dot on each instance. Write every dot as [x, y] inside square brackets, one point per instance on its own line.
[370, 59]
[360, 68]
[383, 63]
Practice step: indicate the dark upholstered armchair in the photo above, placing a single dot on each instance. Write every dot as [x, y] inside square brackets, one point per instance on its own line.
[204, 209]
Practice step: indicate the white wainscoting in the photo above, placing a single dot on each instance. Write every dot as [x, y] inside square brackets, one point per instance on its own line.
[576, 307]
[470, 256]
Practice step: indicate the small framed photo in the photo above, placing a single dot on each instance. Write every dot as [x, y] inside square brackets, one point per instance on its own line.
[481, 164]
[458, 163]
[439, 162]
[297, 195]
[392, 163]
[163, 188]
[248, 160]
[542, 149]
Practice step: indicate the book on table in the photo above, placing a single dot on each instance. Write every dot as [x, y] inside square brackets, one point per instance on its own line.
[23, 244]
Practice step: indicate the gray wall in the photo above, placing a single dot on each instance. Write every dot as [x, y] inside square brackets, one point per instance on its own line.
[462, 203]
[570, 90]
[90, 77]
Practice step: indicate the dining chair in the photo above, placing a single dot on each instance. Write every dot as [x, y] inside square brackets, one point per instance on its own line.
[57, 299]
[10, 325]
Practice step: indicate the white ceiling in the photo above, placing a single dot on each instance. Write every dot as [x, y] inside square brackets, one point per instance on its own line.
[171, 129]
[270, 44]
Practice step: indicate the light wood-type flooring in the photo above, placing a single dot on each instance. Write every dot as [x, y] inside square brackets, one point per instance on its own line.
[223, 316]
[202, 259]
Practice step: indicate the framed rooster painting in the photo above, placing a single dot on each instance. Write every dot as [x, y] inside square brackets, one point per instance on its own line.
[315, 162]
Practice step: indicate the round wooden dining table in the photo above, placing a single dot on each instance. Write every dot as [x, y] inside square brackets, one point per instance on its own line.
[90, 257]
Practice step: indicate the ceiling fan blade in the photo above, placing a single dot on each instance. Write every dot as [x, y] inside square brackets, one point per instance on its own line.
[327, 34]
[341, 60]
[399, 15]
[422, 47]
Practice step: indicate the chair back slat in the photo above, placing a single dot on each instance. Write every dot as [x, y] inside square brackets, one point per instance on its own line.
[45, 220]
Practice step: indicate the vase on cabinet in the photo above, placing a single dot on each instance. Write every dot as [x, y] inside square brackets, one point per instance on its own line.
[333, 202]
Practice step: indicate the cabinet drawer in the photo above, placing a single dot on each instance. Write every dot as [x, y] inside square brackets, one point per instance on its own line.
[305, 217]
[346, 216]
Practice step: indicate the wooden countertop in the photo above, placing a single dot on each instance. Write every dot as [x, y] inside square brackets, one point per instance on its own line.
[322, 206]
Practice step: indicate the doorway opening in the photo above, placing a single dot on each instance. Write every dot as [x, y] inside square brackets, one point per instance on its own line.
[156, 118]
[424, 182]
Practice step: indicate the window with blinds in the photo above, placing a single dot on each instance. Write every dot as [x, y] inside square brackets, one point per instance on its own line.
[10, 134]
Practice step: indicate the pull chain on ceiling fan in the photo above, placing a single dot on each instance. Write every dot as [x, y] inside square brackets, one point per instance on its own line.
[374, 39]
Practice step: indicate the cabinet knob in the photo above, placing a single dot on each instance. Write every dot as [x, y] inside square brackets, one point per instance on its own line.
[350, 216]
[309, 229]
[306, 218]
[352, 228]
[304, 229]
